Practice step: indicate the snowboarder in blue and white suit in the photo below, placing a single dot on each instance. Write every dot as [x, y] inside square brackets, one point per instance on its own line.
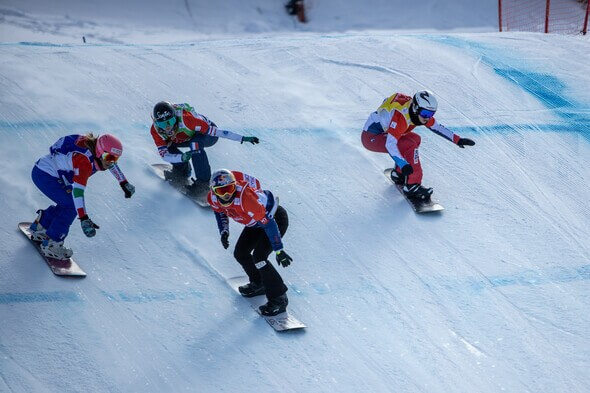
[62, 176]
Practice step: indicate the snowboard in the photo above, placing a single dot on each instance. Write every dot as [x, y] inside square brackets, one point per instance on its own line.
[200, 200]
[280, 322]
[419, 206]
[59, 267]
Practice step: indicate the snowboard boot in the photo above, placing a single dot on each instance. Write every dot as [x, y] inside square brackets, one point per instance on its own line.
[197, 188]
[38, 233]
[274, 306]
[52, 249]
[178, 174]
[397, 177]
[418, 192]
[251, 289]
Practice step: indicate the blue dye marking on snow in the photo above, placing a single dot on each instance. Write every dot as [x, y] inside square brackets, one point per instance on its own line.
[151, 296]
[548, 89]
[584, 272]
[27, 43]
[29, 124]
[71, 128]
[506, 129]
[527, 278]
[40, 297]
[118, 296]
[109, 296]
[295, 289]
[321, 288]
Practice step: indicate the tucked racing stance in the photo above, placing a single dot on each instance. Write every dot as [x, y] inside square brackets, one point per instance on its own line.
[179, 125]
[62, 176]
[240, 197]
[390, 130]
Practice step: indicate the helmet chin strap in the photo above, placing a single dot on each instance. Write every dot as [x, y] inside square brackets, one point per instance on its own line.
[168, 134]
[415, 118]
[99, 164]
[228, 202]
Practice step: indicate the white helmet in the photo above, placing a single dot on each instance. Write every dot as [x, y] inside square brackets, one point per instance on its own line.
[424, 104]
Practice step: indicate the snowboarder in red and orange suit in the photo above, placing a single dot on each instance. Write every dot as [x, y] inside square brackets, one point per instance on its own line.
[239, 196]
[390, 130]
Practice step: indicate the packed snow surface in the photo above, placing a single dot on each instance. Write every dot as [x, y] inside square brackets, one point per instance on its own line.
[491, 295]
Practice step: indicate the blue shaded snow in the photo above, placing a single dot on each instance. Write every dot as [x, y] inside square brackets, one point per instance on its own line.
[548, 89]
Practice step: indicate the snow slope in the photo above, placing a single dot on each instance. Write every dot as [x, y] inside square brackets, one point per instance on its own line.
[148, 21]
[492, 295]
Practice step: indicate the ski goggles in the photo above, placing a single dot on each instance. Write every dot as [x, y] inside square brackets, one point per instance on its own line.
[225, 190]
[166, 123]
[109, 159]
[425, 113]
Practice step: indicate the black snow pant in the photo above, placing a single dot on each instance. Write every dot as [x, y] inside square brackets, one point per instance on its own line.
[252, 251]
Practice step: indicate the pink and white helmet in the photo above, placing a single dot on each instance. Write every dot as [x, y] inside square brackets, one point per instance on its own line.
[108, 144]
[108, 150]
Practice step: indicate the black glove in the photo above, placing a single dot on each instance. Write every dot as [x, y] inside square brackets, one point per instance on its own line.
[225, 239]
[283, 259]
[252, 139]
[88, 227]
[462, 142]
[407, 170]
[128, 188]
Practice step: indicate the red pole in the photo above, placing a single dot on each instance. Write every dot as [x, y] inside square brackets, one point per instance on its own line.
[500, 14]
[547, 16]
[585, 28]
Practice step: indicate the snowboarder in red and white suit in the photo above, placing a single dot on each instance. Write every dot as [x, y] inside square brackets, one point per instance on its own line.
[390, 130]
[240, 197]
[179, 125]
